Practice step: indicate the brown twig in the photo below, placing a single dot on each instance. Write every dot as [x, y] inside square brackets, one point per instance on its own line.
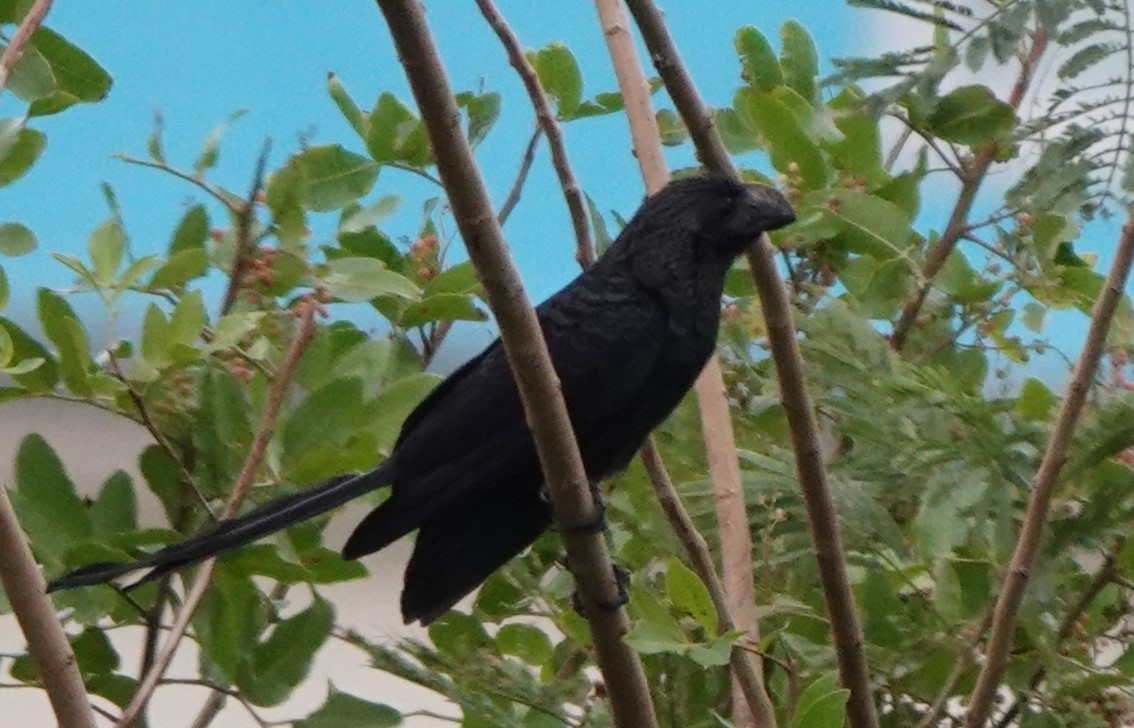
[531, 365]
[245, 242]
[305, 330]
[20, 39]
[964, 658]
[751, 704]
[822, 518]
[1046, 478]
[741, 658]
[973, 175]
[47, 643]
[1104, 576]
[513, 197]
[585, 252]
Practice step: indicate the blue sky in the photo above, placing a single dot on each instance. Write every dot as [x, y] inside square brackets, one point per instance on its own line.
[198, 62]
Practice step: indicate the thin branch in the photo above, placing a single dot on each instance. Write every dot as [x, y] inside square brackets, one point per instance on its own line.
[741, 658]
[896, 150]
[210, 710]
[245, 243]
[159, 438]
[1103, 577]
[964, 659]
[531, 365]
[751, 704]
[822, 517]
[513, 197]
[305, 330]
[220, 195]
[47, 643]
[1046, 478]
[973, 175]
[21, 38]
[585, 252]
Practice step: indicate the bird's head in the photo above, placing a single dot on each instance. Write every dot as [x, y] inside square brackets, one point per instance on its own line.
[719, 216]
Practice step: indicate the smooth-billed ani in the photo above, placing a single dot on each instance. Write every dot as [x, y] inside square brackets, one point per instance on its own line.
[627, 337]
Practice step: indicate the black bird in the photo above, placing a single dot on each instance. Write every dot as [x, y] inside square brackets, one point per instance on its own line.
[627, 337]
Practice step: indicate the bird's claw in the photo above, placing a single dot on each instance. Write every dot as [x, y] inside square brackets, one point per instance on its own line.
[621, 579]
[595, 524]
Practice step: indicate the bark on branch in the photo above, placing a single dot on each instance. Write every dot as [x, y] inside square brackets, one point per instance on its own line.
[737, 607]
[822, 517]
[527, 354]
[1047, 477]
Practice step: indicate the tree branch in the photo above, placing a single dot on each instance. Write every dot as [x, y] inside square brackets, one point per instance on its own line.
[21, 38]
[751, 704]
[513, 197]
[1046, 478]
[585, 252]
[973, 175]
[531, 365]
[822, 517]
[47, 643]
[245, 243]
[305, 330]
[1104, 576]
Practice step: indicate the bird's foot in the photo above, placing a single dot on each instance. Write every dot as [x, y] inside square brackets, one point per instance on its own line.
[595, 524]
[621, 579]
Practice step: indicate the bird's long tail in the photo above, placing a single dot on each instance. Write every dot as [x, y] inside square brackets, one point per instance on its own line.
[227, 535]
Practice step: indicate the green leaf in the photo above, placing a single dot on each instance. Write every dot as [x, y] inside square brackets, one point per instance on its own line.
[972, 115]
[94, 653]
[330, 177]
[44, 377]
[20, 155]
[559, 75]
[347, 107]
[371, 215]
[182, 267]
[822, 705]
[791, 150]
[441, 307]
[282, 661]
[53, 104]
[460, 278]
[460, 636]
[106, 246]
[757, 59]
[62, 327]
[75, 72]
[32, 77]
[330, 415]
[390, 122]
[188, 319]
[5, 292]
[671, 128]
[870, 225]
[155, 337]
[483, 110]
[689, 594]
[1036, 401]
[114, 511]
[799, 59]
[859, 152]
[45, 500]
[530, 644]
[228, 623]
[192, 231]
[879, 286]
[346, 711]
[15, 239]
[361, 279]
[210, 151]
[396, 402]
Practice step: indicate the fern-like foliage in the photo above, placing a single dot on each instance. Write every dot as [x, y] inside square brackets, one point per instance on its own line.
[1080, 116]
